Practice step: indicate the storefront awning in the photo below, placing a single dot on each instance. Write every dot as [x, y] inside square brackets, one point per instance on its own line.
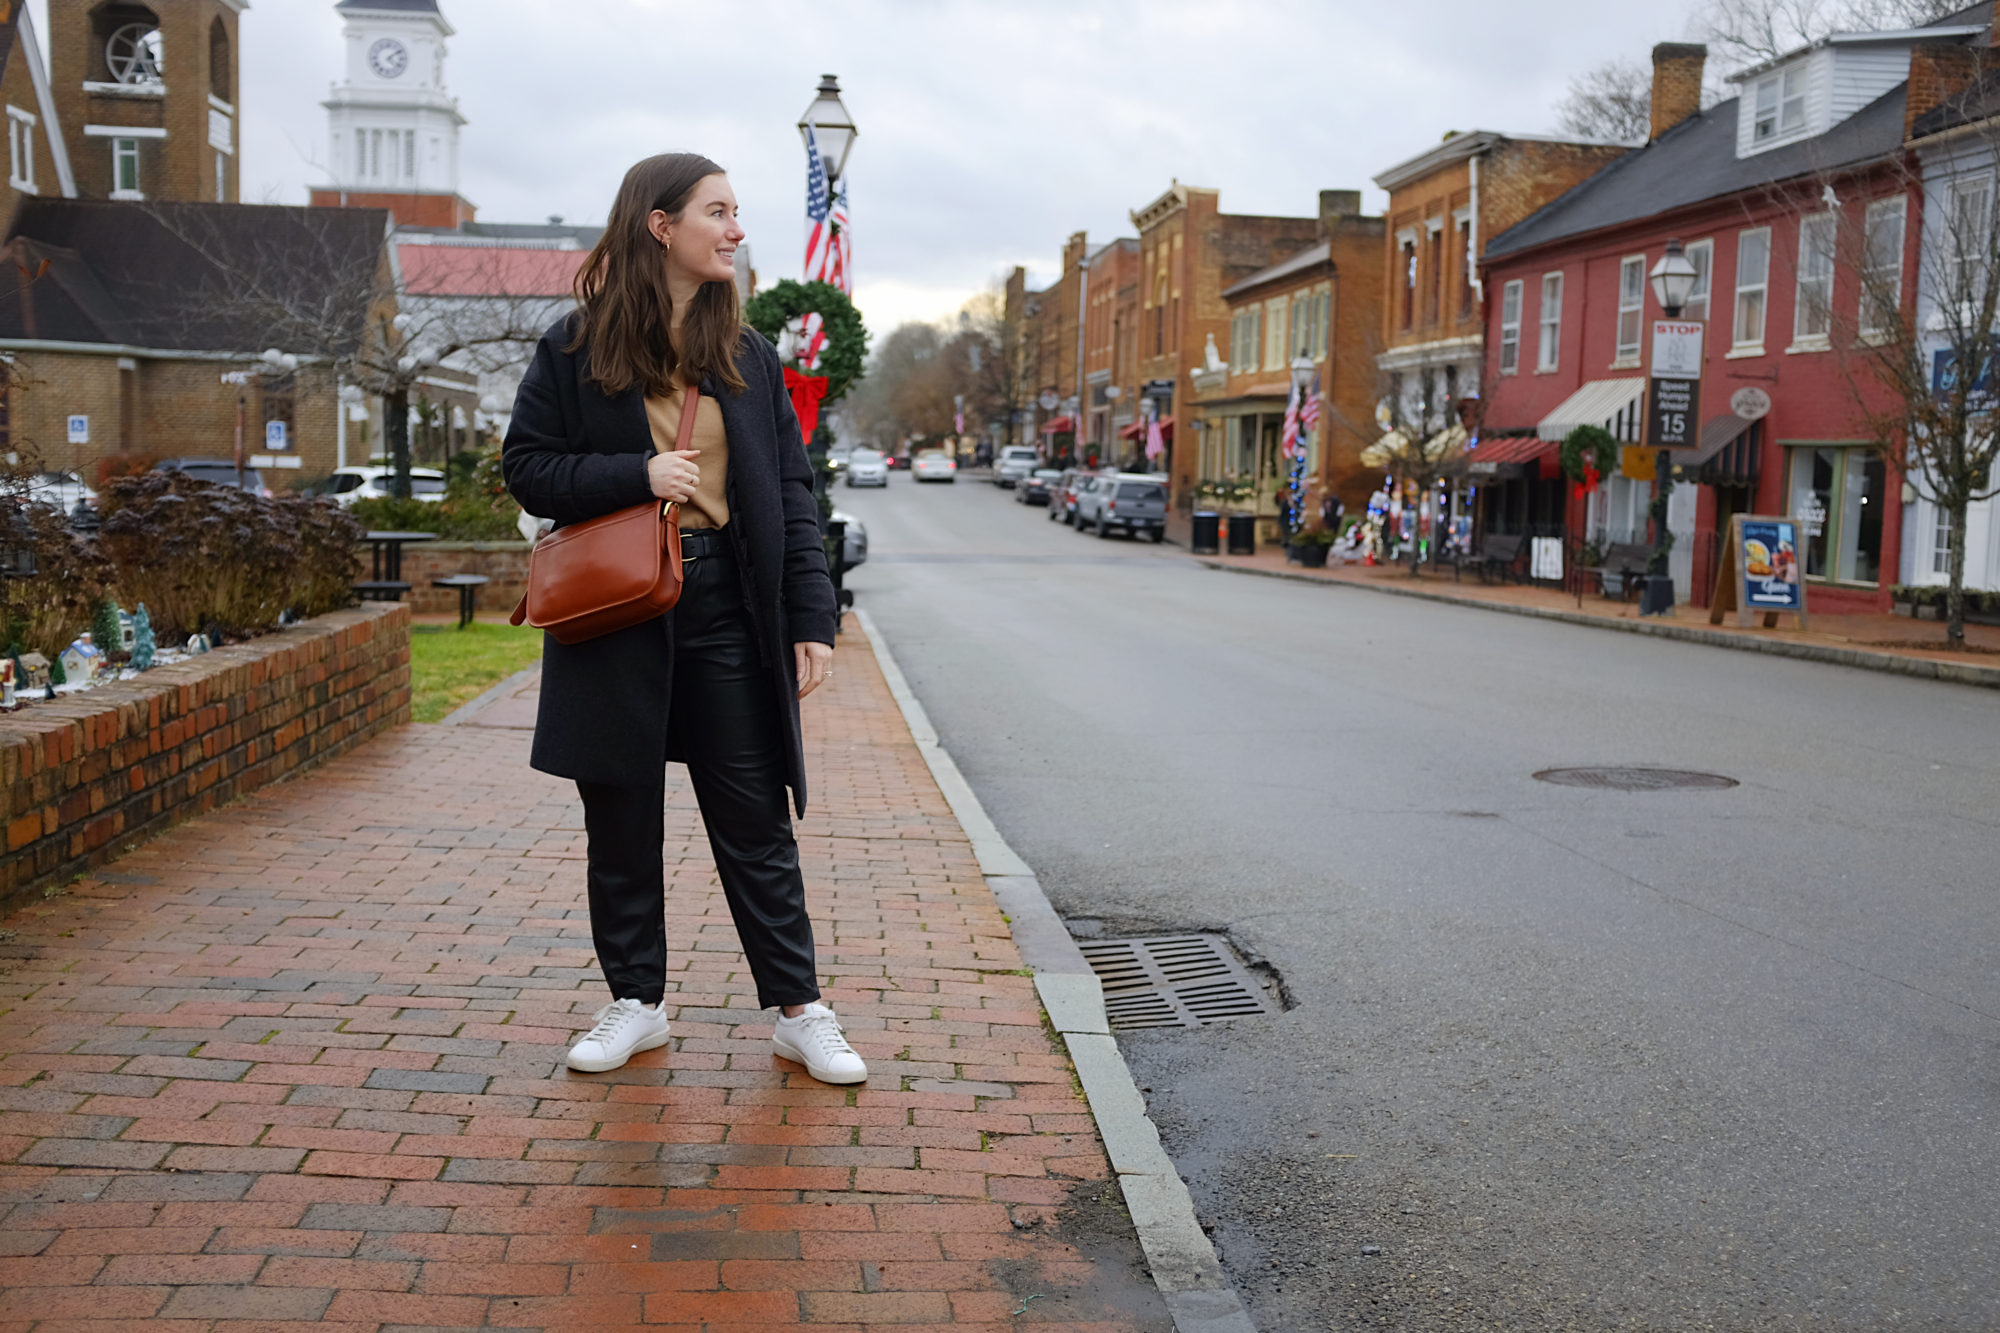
[1058, 425]
[1612, 404]
[1394, 450]
[1510, 455]
[1137, 430]
[1728, 454]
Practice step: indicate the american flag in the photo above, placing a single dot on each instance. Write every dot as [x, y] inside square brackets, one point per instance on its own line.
[822, 246]
[1290, 441]
[840, 265]
[1309, 409]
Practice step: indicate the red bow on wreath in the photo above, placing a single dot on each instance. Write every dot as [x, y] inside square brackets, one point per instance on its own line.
[806, 391]
[1590, 480]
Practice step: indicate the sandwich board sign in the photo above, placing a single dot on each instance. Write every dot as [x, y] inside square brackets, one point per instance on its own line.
[1759, 575]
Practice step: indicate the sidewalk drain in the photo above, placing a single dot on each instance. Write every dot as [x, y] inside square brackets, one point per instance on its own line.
[1635, 779]
[1175, 981]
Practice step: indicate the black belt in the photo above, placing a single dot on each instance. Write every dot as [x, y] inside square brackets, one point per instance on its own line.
[704, 543]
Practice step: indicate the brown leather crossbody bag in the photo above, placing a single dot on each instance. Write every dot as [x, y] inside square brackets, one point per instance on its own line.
[612, 572]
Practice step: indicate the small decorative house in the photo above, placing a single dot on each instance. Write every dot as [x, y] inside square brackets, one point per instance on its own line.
[128, 632]
[81, 660]
[7, 700]
[35, 671]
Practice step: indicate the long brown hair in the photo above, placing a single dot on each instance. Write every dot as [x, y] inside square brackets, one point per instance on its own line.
[624, 310]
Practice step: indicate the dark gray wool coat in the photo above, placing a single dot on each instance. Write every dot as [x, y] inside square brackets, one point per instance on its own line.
[573, 453]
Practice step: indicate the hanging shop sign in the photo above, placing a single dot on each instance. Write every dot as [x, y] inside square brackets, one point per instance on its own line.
[1759, 575]
[1751, 403]
[1673, 407]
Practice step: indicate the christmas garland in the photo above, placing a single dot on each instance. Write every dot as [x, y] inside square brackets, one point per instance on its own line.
[846, 337]
[1588, 449]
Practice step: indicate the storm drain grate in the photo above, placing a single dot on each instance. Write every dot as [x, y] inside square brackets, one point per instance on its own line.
[1175, 981]
[1635, 779]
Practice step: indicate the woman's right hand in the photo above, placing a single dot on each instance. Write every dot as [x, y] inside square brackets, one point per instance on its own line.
[674, 475]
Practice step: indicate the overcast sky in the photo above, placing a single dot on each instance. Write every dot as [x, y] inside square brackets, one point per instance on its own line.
[988, 131]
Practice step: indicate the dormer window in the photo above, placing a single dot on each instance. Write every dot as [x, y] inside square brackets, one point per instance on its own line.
[1781, 103]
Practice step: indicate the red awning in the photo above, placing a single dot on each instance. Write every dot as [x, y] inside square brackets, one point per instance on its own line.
[1059, 425]
[1137, 430]
[1516, 449]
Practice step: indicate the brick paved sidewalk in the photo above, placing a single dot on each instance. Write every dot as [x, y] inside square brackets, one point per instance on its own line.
[298, 1064]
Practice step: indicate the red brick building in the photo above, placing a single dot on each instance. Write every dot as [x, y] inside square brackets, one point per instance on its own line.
[1758, 189]
[1111, 351]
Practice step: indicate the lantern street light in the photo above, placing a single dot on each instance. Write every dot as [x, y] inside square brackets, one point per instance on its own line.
[1673, 280]
[831, 127]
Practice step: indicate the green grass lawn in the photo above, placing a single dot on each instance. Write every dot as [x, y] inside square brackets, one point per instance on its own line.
[450, 667]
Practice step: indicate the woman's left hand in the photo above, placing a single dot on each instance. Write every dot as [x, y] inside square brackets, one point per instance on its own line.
[813, 663]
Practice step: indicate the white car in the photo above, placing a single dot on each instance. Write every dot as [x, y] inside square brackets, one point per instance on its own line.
[934, 465]
[1015, 462]
[60, 490]
[348, 484]
[867, 467]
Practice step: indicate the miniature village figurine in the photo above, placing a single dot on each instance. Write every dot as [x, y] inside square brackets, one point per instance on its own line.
[81, 660]
[198, 644]
[143, 646]
[7, 685]
[128, 638]
[35, 671]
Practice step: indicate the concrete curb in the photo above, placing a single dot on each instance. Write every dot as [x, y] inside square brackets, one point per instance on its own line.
[1178, 1252]
[464, 712]
[1957, 673]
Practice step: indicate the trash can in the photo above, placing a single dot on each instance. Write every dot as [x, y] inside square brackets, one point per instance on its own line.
[1207, 539]
[1242, 534]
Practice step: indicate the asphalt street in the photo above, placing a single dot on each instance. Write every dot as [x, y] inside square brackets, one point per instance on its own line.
[1559, 1058]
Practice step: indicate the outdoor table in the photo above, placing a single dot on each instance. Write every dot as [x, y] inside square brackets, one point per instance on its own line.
[388, 553]
[468, 586]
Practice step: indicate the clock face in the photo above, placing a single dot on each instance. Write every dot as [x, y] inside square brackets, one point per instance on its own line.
[388, 58]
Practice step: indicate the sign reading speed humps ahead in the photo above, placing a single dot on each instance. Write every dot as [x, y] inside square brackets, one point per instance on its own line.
[1673, 408]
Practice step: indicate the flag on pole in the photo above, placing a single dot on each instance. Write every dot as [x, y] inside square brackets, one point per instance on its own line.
[840, 266]
[1290, 440]
[820, 246]
[1309, 410]
[1156, 444]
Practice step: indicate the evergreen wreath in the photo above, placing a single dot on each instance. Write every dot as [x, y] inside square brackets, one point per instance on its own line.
[1591, 446]
[846, 337]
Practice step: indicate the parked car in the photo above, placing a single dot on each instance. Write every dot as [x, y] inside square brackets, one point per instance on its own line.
[1015, 462]
[867, 467]
[855, 542]
[1062, 495]
[60, 490]
[221, 471]
[348, 484]
[1036, 487]
[1132, 502]
[934, 465]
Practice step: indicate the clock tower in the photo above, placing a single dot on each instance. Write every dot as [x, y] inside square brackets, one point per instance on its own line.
[392, 127]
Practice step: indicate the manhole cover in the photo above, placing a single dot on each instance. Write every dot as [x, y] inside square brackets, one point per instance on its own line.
[1635, 779]
[1175, 981]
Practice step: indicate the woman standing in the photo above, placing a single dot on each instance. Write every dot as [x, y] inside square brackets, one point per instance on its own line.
[716, 682]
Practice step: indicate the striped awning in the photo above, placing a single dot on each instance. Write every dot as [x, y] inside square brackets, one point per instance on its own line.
[1728, 454]
[1612, 404]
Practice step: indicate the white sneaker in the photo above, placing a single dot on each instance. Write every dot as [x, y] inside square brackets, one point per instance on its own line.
[624, 1028]
[814, 1040]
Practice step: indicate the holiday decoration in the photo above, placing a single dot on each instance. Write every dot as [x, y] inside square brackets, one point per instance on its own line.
[143, 646]
[34, 671]
[806, 392]
[845, 337]
[81, 660]
[105, 631]
[1588, 453]
[7, 670]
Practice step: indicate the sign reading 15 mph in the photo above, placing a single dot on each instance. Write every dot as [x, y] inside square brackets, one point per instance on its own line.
[1673, 408]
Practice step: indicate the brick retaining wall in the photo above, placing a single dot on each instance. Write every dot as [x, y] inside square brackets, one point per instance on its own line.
[506, 563]
[85, 775]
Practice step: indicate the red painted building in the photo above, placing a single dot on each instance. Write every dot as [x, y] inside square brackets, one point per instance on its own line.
[1778, 194]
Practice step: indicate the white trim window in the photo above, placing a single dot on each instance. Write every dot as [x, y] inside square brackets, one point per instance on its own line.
[1702, 255]
[1753, 281]
[1276, 357]
[1812, 304]
[1882, 265]
[1780, 104]
[1245, 335]
[21, 150]
[125, 182]
[1631, 307]
[1510, 327]
[1941, 540]
[1969, 224]
[1549, 350]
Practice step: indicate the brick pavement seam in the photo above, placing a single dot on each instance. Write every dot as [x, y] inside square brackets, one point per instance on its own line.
[465, 711]
[1179, 1254]
[1923, 668]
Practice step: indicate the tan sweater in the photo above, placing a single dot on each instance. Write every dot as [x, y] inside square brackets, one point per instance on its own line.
[709, 506]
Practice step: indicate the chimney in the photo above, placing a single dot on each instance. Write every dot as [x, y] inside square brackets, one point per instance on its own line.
[1939, 71]
[1677, 70]
[1337, 204]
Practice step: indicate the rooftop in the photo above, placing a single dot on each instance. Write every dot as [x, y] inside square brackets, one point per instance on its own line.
[1301, 262]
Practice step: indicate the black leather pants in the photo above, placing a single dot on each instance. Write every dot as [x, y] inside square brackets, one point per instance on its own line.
[726, 723]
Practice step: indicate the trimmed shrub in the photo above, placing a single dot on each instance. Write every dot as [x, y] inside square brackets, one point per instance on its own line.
[45, 613]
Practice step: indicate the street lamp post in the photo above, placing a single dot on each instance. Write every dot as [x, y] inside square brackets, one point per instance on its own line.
[831, 128]
[1673, 280]
[1295, 482]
